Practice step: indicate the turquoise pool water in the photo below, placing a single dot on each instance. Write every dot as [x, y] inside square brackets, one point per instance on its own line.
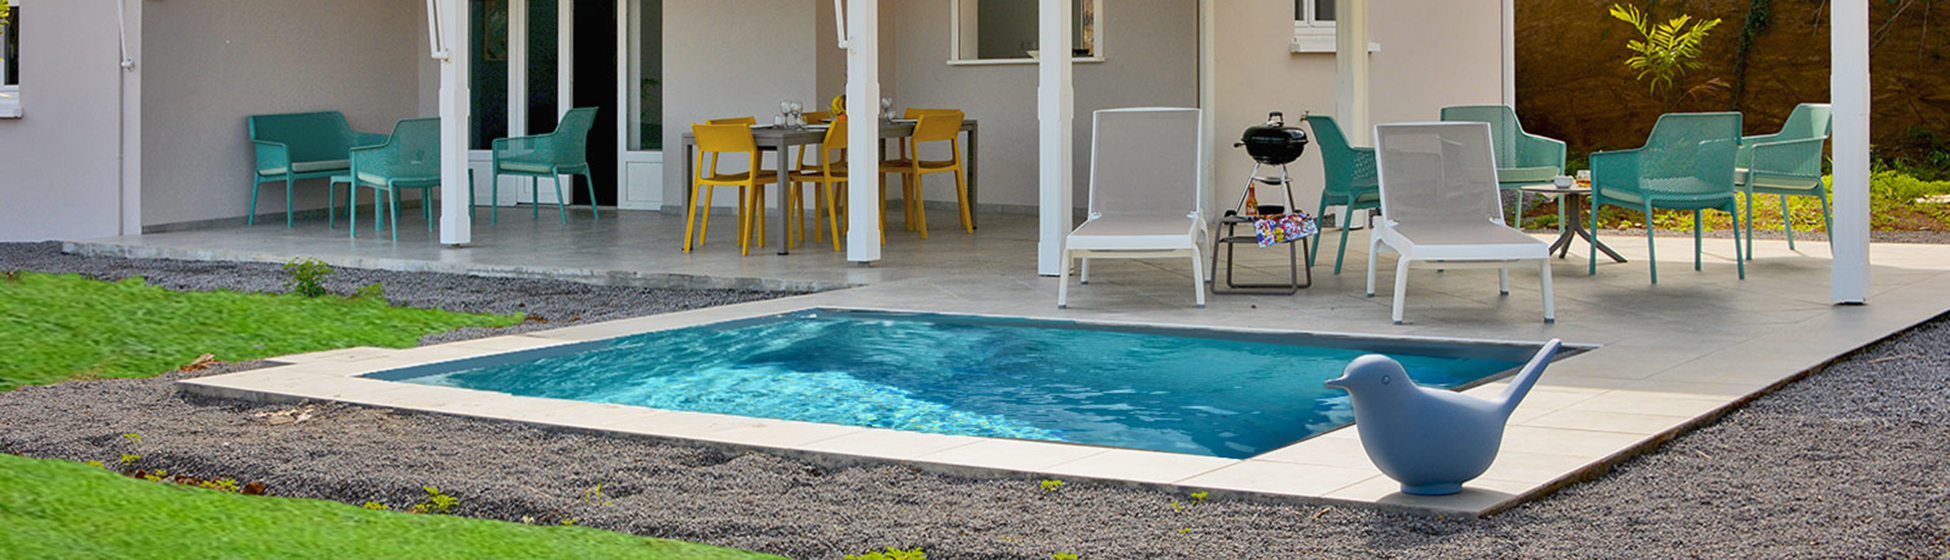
[1201, 392]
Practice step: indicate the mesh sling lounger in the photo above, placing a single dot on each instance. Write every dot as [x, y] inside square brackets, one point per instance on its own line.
[1440, 204]
[1144, 201]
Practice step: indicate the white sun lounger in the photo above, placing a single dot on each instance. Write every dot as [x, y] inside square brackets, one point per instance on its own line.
[1144, 201]
[1439, 204]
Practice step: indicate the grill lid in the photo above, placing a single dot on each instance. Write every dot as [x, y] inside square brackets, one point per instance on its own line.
[1274, 143]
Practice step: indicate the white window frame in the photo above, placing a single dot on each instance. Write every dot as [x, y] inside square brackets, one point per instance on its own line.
[10, 95]
[955, 35]
[1314, 36]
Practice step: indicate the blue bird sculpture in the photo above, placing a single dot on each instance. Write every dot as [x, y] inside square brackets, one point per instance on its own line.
[1430, 440]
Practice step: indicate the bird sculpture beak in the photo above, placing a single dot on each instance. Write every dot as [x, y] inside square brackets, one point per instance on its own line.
[1338, 383]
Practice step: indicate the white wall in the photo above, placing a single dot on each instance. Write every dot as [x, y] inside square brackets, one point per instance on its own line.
[211, 63]
[731, 58]
[1150, 50]
[58, 170]
[1433, 53]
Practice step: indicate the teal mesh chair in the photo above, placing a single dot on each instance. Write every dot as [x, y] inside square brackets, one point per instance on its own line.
[1350, 179]
[295, 146]
[1786, 163]
[552, 155]
[409, 159]
[1687, 164]
[1522, 158]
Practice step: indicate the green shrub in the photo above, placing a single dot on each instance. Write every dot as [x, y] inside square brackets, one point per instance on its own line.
[305, 273]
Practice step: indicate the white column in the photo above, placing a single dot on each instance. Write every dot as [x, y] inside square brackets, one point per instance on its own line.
[1849, 94]
[1208, 97]
[1351, 69]
[451, 21]
[1055, 108]
[1510, 52]
[863, 130]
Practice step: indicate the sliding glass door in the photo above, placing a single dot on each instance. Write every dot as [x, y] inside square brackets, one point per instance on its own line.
[517, 76]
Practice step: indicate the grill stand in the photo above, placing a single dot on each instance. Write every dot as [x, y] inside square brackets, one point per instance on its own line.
[1231, 240]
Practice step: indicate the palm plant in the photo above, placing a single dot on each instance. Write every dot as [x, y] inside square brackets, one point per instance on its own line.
[1663, 51]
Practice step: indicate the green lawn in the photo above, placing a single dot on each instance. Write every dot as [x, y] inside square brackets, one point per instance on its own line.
[59, 509]
[55, 328]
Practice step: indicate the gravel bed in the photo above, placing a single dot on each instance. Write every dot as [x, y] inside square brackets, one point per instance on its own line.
[1848, 463]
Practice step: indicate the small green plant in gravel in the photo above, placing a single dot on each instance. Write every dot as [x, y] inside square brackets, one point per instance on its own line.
[376, 506]
[595, 496]
[436, 503]
[1050, 485]
[371, 292]
[1063, 556]
[891, 554]
[305, 273]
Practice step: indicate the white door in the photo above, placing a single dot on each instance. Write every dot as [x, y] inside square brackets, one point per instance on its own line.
[521, 73]
[640, 126]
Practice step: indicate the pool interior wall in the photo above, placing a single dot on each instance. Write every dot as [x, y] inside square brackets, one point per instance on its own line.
[1221, 393]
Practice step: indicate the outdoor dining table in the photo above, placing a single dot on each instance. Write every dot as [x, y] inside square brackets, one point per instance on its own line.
[776, 138]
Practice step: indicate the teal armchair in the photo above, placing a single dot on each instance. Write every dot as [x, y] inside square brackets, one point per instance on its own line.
[1786, 163]
[552, 155]
[1350, 179]
[294, 146]
[409, 159]
[1686, 164]
[1522, 158]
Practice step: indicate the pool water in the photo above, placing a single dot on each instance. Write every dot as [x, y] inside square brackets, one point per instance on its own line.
[1215, 393]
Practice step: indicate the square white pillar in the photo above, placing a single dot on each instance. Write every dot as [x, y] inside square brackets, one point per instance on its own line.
[1055, 111]
[1849, 98]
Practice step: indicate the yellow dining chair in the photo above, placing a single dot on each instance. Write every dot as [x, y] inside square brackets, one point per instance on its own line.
[715, 140]
[758, 195]
[828, 175]
[943, 126]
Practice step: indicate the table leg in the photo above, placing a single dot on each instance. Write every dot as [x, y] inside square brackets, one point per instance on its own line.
[785, 222]
[1577, 227]
[974, 163]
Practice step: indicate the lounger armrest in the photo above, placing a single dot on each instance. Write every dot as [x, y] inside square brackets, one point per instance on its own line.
[272, 155]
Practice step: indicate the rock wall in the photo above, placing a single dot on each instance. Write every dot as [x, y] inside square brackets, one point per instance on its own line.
[1572, 83]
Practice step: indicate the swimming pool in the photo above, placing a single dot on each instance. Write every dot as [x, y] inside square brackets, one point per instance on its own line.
[1232, 394]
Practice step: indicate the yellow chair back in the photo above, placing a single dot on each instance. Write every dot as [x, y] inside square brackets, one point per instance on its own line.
[818, 117]
[835, 136]
[747, 121]
[936, 127]
[913, 113]
[724, 137]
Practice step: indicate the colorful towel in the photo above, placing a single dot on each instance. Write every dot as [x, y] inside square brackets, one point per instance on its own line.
[1285, 228]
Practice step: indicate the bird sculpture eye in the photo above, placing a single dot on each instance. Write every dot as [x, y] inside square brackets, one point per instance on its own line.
[1386, 378]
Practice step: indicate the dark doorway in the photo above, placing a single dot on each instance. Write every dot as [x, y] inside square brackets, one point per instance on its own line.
[595, 86]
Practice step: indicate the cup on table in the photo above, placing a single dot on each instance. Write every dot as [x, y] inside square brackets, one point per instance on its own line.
[1584, 175]
[1562, 181]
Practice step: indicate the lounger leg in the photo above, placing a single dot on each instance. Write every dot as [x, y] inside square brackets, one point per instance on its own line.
[1550, 299]
[1063, 282]
[1503, 281]
[1198, 276]
[1401, 286]
[1787, 223]
[1374, 254]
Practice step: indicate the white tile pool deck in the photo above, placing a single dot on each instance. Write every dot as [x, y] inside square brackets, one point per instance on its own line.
[1669, 356]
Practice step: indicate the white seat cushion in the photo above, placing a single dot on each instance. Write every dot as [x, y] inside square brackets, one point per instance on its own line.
[1135, 233]
[1467, 241]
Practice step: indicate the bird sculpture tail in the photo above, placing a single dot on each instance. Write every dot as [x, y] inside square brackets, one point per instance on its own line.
[1520, 386]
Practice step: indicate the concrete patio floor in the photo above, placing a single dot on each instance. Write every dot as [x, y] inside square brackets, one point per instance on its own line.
[1668, 357]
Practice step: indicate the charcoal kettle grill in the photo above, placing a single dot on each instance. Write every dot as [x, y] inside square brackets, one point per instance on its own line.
[1270, 144]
